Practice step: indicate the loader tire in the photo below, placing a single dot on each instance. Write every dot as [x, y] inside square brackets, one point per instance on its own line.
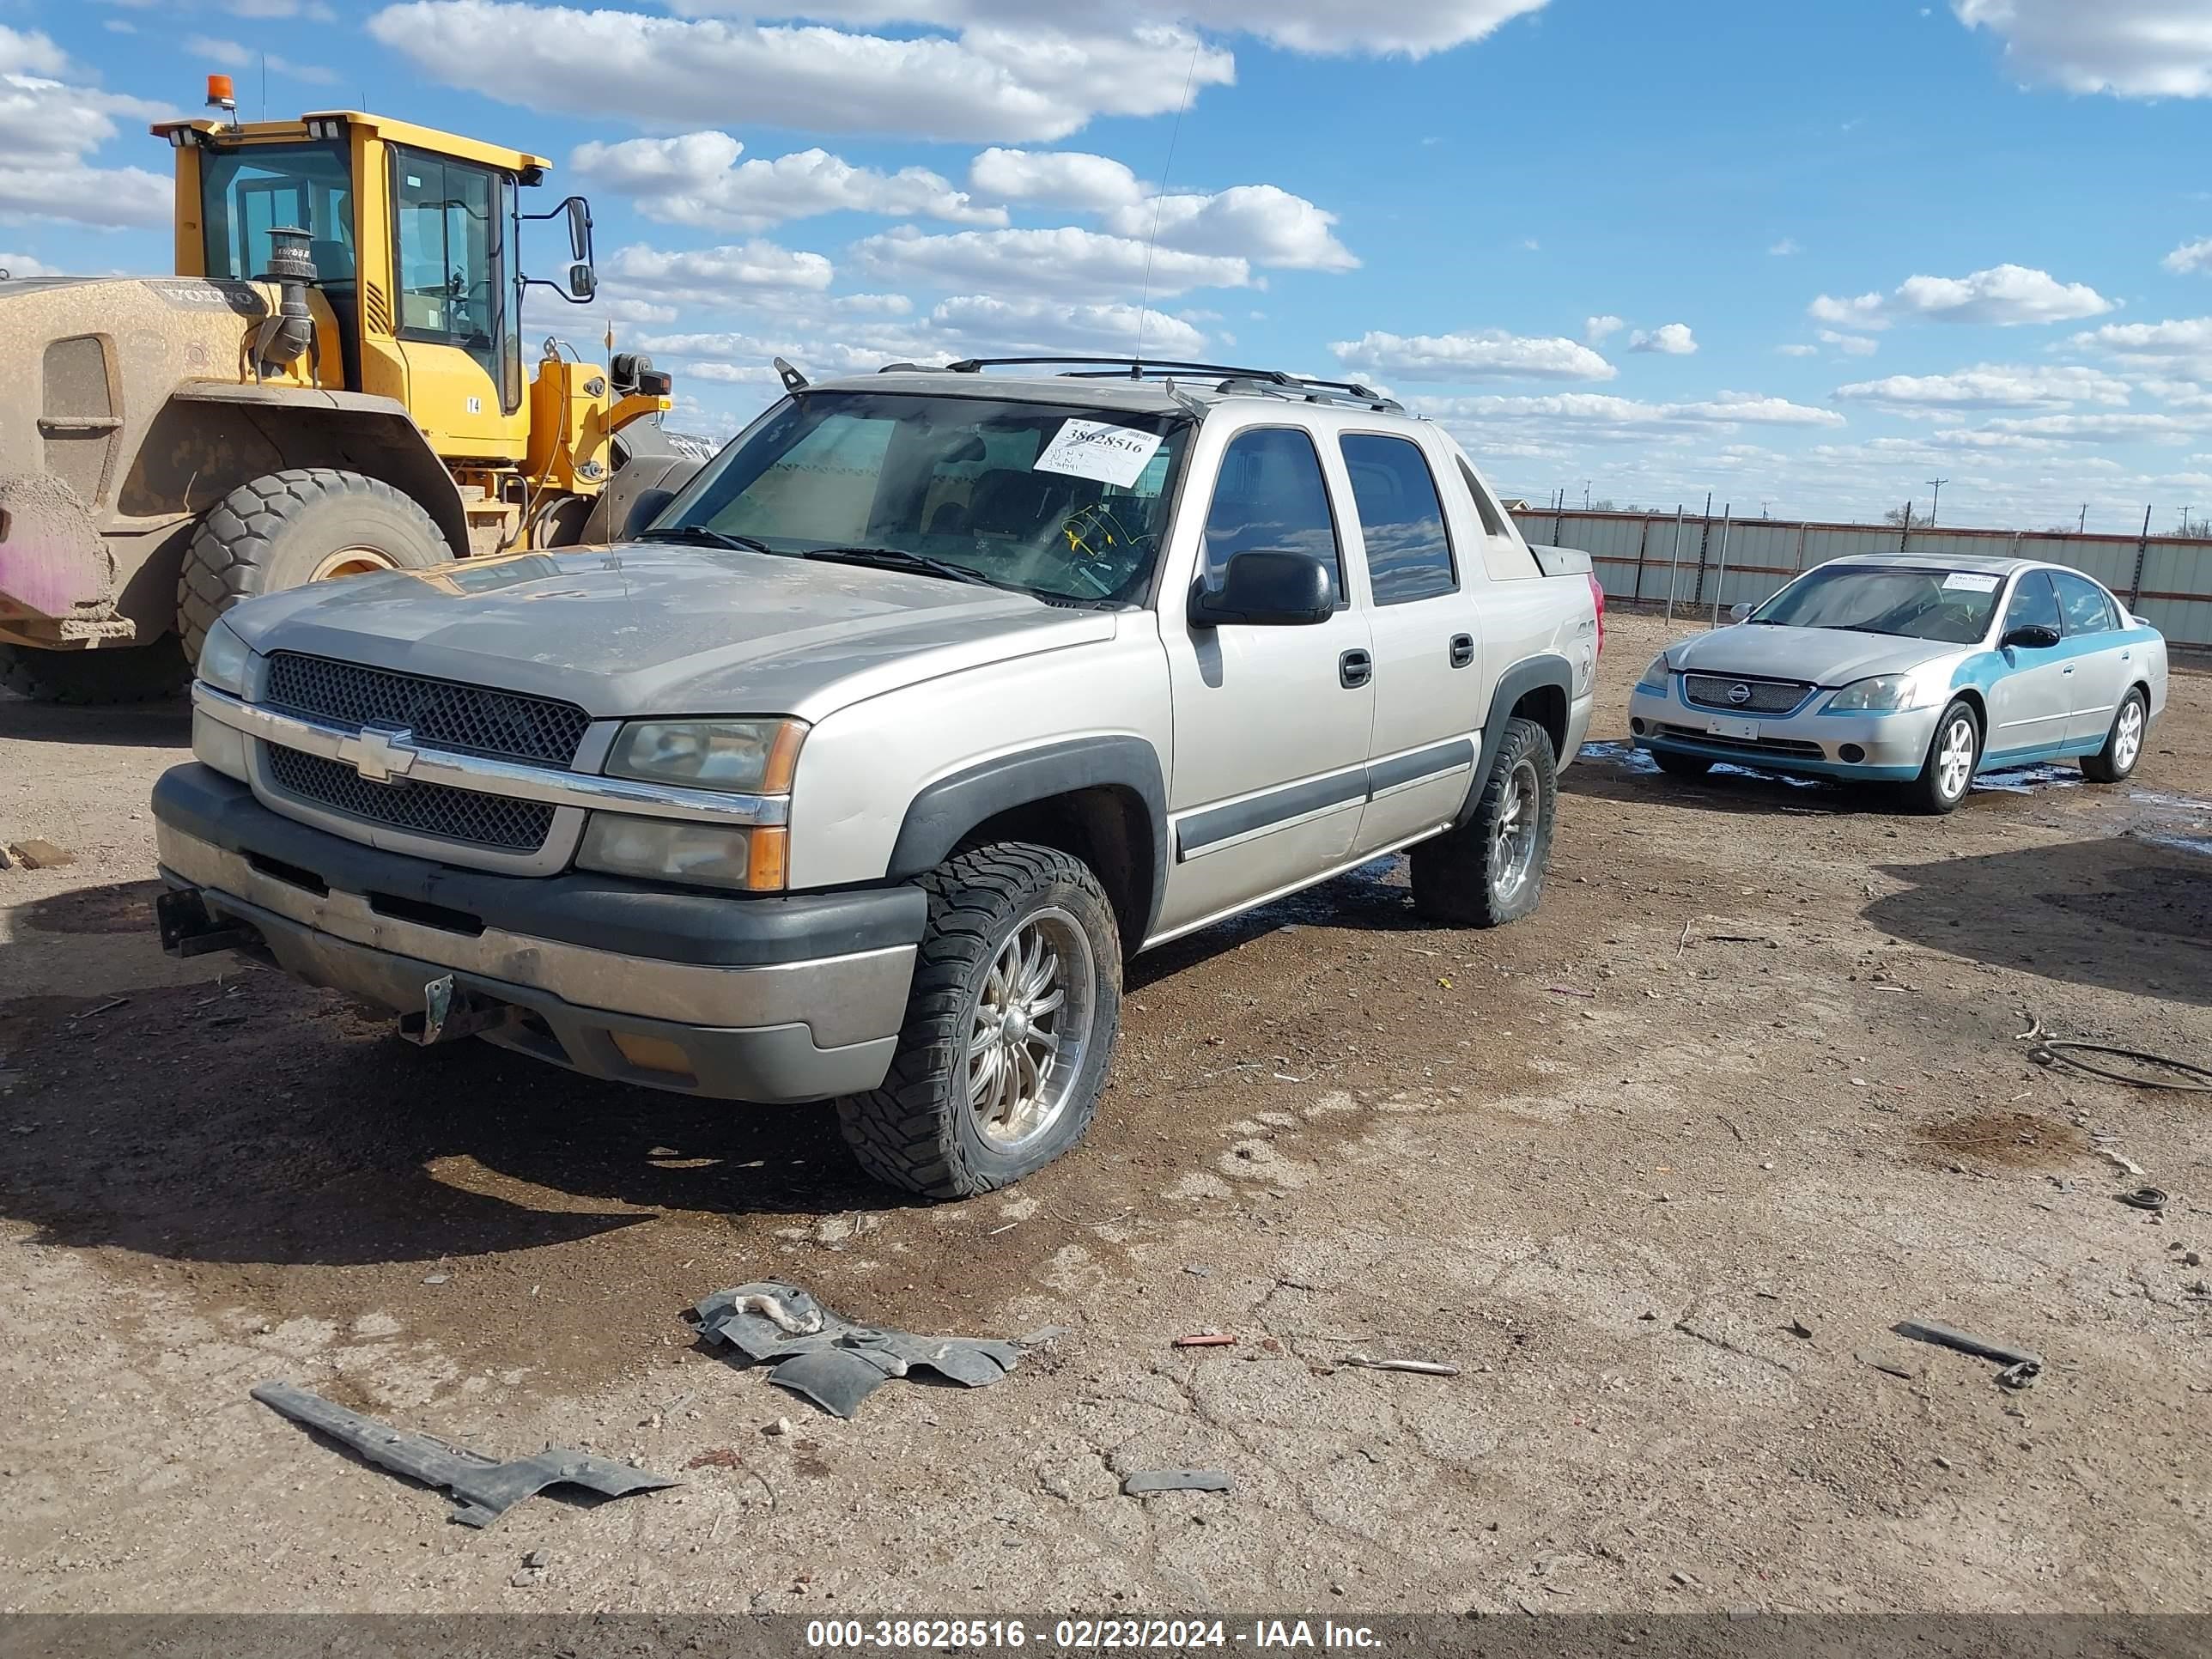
[127, 673]
[287, 529]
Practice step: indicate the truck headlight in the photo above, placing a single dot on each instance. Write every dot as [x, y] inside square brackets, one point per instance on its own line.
[675, 849]
[226, 660]
[743, 756]
[1655, 677]
[1883, 694]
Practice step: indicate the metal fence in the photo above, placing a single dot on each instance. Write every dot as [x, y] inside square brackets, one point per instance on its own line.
[1704, 564]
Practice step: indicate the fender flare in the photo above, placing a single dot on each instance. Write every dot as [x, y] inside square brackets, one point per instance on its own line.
[942, 812]
[1529, 674]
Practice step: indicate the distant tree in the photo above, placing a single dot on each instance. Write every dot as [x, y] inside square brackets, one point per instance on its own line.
[1602, 505]
[2199, 529]
[1896, 515]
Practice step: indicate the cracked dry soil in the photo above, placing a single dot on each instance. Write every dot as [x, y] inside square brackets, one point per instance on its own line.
[1656, 1170]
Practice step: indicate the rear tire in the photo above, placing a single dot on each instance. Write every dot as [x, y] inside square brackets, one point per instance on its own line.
[1004, 1052]
[126, 673]
[1954, 754]
[2123, 743]
[290, 528]
[1681, 766]
[1489, 871]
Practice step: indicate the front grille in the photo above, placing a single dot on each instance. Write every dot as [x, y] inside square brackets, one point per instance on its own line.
[1778, 747]
[424, 809]
[505, 725]
[1767, 696]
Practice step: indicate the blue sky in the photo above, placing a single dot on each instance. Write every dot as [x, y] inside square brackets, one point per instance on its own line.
[1807, 254]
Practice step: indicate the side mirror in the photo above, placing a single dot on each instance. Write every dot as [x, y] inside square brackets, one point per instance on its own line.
[580, 230]
[1266, 588]
[1738, 612]
[2032, 636]
[583, 281]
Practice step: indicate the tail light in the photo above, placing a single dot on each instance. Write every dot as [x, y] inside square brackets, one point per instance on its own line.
[1597, 598]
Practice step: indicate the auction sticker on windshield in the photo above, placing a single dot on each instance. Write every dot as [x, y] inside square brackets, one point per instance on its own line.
[1097, 449]
[1971, 581]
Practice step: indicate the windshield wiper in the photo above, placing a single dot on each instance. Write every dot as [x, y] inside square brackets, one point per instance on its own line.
[897, 558]
[701, 535]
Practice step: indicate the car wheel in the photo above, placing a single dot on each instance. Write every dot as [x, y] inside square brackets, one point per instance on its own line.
[1954, 753]
[1009, 1026]
[2123, 743]
[1489, 871]
[1681, 766]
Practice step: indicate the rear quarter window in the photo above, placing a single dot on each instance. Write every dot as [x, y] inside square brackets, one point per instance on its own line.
[1504, 558]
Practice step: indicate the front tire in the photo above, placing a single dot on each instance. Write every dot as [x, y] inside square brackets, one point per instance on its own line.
[2123, 743]
[1489, 871]
[1954, 753]
[113, 674]
[1009, 1026]
[307, 524]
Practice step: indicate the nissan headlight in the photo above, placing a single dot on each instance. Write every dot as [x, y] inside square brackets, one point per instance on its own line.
[1655, 677]
[1883, 694]
[226, 660]
[686, 851]
[748, 757]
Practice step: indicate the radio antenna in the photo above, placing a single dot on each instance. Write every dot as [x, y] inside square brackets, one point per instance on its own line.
[1160, 197]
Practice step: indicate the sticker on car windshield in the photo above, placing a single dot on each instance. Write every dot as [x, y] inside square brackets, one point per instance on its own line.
[1097, 449]
[1968, 581]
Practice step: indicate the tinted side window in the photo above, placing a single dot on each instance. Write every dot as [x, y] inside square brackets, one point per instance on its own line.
[1409, 553]
[1270, 494]
[2033, 604]
[2087, 610]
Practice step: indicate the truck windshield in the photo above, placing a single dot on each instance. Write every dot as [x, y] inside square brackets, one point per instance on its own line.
[1953, 606]
[248, 190]
[1065, 502]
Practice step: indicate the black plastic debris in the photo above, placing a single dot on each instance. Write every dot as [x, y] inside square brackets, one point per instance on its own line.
[2022, 1367]
[483, 1488]
[829, 1360]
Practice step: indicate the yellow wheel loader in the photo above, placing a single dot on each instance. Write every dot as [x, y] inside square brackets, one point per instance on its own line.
[333, 382]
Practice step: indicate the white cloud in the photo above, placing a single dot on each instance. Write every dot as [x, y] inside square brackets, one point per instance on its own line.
[1670, 340]
[1797, 352]
[2095, 428]
[237, 56]
[1060, 178]
[1067, 263]
[714, 276]
[22, 265]
[1592, 413]
[1412, 27]
[1785, 247]
[1024, 81]
[2133, 48]
[2183, 344]
[1483, 354]
[48, 129]
[1851, 345]
[697, 179]
[1259, 222]
[2004, 295]
[1596, 331]
[987, 326]
[29, 51]
[1990, 386]
[2191, 257]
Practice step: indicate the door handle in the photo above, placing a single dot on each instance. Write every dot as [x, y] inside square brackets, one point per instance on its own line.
[2067, 669]
[1463, 650]
[1354, 669]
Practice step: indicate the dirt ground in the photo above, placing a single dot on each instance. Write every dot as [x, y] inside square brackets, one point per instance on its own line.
[1656, 1170]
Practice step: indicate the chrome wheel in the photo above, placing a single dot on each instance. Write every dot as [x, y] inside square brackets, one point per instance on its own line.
[2127, 735]
[1955, 756]
[1031, 1028]
[1513, 839]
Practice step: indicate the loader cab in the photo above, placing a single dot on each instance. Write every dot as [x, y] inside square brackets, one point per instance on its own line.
[416, 237]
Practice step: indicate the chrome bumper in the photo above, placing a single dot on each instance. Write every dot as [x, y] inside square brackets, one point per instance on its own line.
[1891, 747]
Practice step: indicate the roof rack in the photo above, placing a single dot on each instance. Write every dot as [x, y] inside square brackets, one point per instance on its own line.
[1266, 382]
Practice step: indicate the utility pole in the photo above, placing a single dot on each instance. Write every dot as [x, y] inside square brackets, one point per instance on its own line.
[1938, 501]
[1586, 485]
[2082, 528]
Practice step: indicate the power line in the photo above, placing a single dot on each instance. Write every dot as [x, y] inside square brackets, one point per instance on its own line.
[1938, 501]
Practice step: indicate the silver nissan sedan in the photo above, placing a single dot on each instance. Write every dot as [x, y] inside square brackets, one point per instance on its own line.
[1912, 671]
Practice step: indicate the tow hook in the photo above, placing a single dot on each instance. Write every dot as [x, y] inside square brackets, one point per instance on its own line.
[187, 929]
[450, 1013]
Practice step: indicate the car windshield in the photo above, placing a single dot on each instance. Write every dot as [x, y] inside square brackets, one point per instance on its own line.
[1065, 502]
[1953, 606]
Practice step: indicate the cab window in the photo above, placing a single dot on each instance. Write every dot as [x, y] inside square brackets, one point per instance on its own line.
[2034, 604]
[1409, 552]
[451, 250]
[1270, 494]
[249, 190]
[2088, 609]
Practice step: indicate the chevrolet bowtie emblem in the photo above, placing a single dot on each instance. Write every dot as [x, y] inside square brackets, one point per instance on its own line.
[379, 755]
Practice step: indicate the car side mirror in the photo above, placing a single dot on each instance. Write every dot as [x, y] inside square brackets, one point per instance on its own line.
[2032, 635]
[1266, 588]
[1739, 612]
